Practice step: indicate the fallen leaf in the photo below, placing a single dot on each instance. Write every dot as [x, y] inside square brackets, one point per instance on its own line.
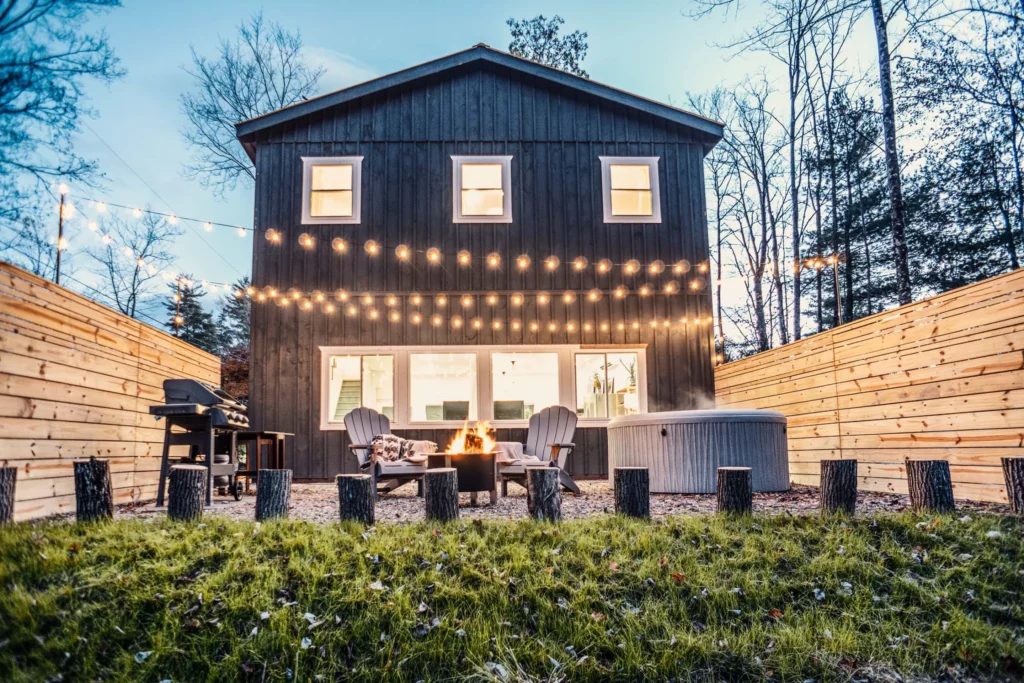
[677, 577]
[664, 561]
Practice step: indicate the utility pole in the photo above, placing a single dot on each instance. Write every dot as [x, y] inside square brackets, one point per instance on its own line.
[177, 307]
[63, 189]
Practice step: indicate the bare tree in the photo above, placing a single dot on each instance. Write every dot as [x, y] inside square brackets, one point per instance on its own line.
[46, 56]
[537, 39]
[133, 258]
[260, 71]
[31, 244]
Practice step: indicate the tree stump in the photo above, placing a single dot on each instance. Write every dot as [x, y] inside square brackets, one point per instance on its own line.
[1013, 473]
[273, 494]
[543, 494]
[355, 497]
[8, 480]
[838, 492]
[632, 492]
[441, 493]
[94, 498]
[186, 492]
[735, 490]
[931, 488]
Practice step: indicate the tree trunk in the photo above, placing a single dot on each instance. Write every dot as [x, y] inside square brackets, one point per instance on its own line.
[931, 488]
[8, 481]
[186, 492]
[355, 498]
[441, 493]
[273, 494]
[94, 498]
[543, 494]
[1013, 473]
[838, 492]
[633, 492]
[735, 490]
[892, 159]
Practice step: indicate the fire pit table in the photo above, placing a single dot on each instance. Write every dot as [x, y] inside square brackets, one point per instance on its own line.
[476, 471]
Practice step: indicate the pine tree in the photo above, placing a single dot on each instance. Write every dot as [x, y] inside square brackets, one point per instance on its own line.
[188, 320]
[236, 314]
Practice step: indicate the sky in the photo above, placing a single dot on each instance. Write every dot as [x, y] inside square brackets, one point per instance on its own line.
[650, 48]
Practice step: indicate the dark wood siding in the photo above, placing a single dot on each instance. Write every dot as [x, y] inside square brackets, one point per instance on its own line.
[406, 138]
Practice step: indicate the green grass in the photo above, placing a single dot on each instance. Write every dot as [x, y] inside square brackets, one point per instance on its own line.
[609, 599]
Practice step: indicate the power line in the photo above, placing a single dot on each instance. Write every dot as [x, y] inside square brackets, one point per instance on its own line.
[157, 195]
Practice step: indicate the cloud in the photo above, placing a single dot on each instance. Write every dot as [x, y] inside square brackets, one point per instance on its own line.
[340, 70]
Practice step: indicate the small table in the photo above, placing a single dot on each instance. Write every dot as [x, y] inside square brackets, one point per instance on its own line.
[476, 471]
[274, 441]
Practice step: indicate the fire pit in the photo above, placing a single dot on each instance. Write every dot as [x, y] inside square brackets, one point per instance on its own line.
[472, 454]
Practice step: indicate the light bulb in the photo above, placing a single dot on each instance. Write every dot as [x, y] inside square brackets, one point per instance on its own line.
[534, 327]
[551, 263]
[395, 316]
[493, 260]
[542, 298]
[339, 245]
[644, 290]
[516, 324]
[329, 308]
[352, 310]
[341, 295]
[101, 207]
[436, 320]
[492, 299]
[467, 301]
[681, 267]
[496, 324]
[579, 263]
[517, 299]
[373, 314]
[441, 300]
[587, 327]
[464, 258]
[477, 323]
[318, 296]
[568, 297]
[371, 247]
[523, 262]
[306, 240]
[392, 300]
[208, 226]
[367, 299]
[416, 299]
[570, 327]
[416, 318]
[656, 267]
[632, 267]
[402, 252]
[604, 265]
[456, 322]
[621, 292]
[434, 255]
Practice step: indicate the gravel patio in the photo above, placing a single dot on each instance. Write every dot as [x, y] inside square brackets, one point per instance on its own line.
[319, 503]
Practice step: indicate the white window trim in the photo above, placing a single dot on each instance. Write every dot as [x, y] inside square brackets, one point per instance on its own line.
[484, 400]
[357, 190]
[606, 189]
[506, 186]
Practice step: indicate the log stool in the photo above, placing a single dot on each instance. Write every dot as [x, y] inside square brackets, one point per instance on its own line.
[8, 480]
[185, 492]
[94, 499]
[1013, 473]
[355, 498]
[930, 485]
[735, 490]
[838, 492]
[441, 494]
[543, 494]
[273, 494]
[633, 492]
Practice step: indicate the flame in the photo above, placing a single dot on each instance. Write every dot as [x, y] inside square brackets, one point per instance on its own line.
[482, 433]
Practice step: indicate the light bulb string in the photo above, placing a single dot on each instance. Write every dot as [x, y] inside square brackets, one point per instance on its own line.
[105, 203]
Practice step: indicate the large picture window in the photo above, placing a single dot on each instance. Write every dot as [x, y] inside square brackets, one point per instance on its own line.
[435, 386]
[360, 381]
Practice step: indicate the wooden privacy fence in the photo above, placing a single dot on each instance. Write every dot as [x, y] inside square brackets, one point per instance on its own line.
[941, 379]
[77, 380]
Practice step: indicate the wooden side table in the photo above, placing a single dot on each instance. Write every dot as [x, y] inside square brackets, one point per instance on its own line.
[254, 462]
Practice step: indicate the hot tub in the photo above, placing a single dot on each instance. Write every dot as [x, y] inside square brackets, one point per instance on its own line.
[683, 450]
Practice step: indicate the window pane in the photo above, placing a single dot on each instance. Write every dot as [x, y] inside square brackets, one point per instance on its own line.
[483, 203]
[591, 398]
[366, 381]
[442, 386]
[623, 398]
[335, 177]
[632, 203]
[337, 203]
[630, 176]
[523, 383]
[481, 176]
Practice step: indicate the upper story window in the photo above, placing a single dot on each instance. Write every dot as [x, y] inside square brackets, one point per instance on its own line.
[331, 189]
[482, 189]
[630, 189]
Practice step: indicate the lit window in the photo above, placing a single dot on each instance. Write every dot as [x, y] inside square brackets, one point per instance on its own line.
[606, 385]
[630, 189]
[523, 384]
[331, 190]
[442, 386]
[481, 189]
[360, 382]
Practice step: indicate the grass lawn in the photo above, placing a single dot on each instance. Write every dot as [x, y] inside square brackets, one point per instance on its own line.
[695, 598]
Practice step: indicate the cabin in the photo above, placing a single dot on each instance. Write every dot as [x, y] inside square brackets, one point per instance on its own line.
[476, 238]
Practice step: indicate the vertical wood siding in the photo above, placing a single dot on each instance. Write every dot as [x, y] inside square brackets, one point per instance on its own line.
[406, 137]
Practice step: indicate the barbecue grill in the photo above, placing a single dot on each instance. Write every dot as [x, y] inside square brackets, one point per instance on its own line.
[206, 419]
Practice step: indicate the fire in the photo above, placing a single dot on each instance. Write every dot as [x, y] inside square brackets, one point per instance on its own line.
[475, 440]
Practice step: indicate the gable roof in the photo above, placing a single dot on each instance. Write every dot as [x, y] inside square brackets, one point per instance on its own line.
[481, 53]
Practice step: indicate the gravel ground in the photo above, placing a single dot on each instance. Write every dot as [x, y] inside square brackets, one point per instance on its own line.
[319, 503]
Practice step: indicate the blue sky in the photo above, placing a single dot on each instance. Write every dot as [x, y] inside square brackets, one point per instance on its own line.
[649, 48]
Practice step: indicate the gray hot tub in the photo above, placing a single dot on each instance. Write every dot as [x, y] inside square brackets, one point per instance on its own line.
[683, 449]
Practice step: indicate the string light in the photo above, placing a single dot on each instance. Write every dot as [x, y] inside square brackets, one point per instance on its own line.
[436, 320]
[208, 226]
[542, 298]
[551, 263]
[656, 267]
[516, 325]
[492, 299]
[373, 314]
[172, 219]
[137, 213]
[416, 299]
[552, 326]
[441, 300]
[604, 266]
[339, 245]
[402, 252]
[621, 326]
[392, 300]
[523, 262]
[341, 295]
[534, 327]
[517, 299]
[93, 226]
[587, 327]
[621, 292]
[604, 327]
[579, 263]
[416, 318]
[681, 267]
[272, 236]
[671, 287]
[306, 240]
[570, 327]
[395, 316]
[329, 308]
[493, 260]
[644, 290]
[467, 301]
[318, 296]
[464, 258]
[477, 323]
[353, 311]
[371, 247]
[367, 299]
[631, 267]
[63, 188]
[569, 297]
[434, 255]
[496, 324]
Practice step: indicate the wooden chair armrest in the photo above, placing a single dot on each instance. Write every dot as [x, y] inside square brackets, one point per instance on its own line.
[562, 445]
[359, 446]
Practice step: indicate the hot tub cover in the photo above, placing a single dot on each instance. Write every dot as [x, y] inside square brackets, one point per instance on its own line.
[695, 416]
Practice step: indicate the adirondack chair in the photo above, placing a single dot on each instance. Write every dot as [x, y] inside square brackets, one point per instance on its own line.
[362, 425]
[548, 443]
